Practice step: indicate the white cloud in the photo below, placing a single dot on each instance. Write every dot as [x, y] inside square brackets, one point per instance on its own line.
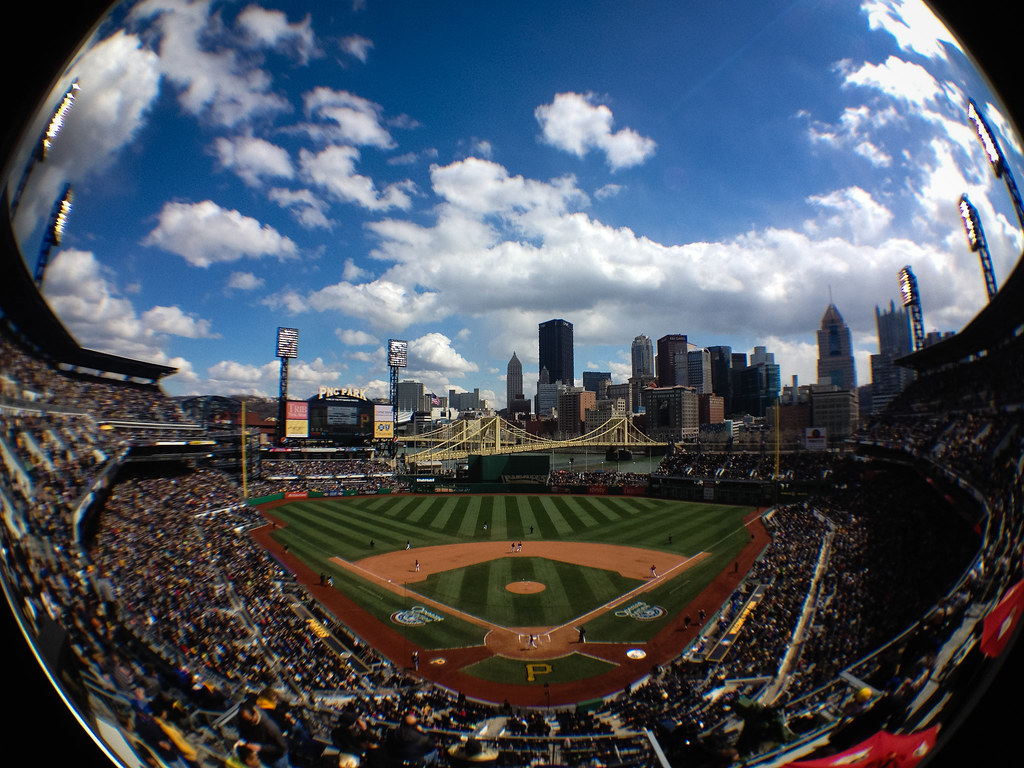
[218, 84]
[271, 29]
[231, 376]
[204, 234]
[355, 338]
[898, 79]
[356, 46]
[253, 159]
[913, 24]
[433, 352]
[333, 169]
[608, 191]
[88, 302]
[353, 119]
[244, 281]
[174, 321]
[307, 209]
[572, 122]
[853, 213]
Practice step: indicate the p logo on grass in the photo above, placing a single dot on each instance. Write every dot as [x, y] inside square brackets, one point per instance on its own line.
[532, 670]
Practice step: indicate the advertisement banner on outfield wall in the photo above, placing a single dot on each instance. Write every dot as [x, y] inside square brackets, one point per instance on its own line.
[816, 439]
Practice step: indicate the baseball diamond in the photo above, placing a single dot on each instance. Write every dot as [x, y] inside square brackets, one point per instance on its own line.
[572, 612]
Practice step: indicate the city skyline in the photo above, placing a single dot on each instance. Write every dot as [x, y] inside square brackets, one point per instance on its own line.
[363, 175]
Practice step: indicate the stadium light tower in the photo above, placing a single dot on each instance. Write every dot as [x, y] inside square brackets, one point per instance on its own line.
[46, 140]
[287, 349]
[996, 158]
[912, 300]
[54, 233]
[398, 357]
[976, 239]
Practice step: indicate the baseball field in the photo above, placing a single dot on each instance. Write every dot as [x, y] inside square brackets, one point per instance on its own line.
[531, 599]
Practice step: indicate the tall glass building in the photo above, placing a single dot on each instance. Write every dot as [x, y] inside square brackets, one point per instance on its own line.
[556, 351]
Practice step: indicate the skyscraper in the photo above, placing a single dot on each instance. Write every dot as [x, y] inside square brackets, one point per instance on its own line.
[670, 347]
[556, 351]
[641, 352]
[721, 374]
[894, 341]
[513, 381]
[835, 351]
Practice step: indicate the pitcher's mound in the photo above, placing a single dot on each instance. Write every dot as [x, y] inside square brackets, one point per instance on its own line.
[525, 587]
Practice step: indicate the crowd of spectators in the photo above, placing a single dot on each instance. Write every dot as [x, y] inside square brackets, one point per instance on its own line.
[566, 478]
[803, 465]
[25, 377]
[325, 476]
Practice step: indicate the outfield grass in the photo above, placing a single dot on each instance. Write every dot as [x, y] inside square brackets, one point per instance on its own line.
[319, 529]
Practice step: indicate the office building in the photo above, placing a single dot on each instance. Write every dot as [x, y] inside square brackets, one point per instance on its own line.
[410, 396]
[672, 349]
[894, 341]
[673, 413]
[573, 404]
[513, 381]
[721, 374]
[698, 370]
[641, 354]
[593, 381]
[555, 347]
[835, 352]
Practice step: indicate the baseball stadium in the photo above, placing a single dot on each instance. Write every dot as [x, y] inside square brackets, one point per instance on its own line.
[188, 589]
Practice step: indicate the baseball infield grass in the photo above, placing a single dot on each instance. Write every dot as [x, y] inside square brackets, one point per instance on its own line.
[353, 528]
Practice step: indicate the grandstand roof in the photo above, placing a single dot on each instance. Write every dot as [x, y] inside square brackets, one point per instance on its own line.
[997, 322]
[24, 307]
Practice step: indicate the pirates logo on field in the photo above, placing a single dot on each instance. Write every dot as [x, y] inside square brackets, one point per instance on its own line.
[416, 616]
[641, 611]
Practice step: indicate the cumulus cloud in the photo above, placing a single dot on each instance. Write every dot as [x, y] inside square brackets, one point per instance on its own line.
[244, 281]
[351, 118]
[214, 82]
[271, 29]
[173, 320]
[333, 169]
[898, 79]
[308, 210]
[854, 213]
[914, 26]
[356, 46]
[253, 159]
[572, 122]
[355, 338]
[204, 234]
[231, 376]
[89, 303]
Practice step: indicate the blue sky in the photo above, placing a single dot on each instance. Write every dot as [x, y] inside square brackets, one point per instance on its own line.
[454, 173]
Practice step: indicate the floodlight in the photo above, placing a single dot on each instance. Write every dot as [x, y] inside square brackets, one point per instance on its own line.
[59, 219]
[969, 215]
[908, 287]
[57, 120]
[398, 353]
[988, 140]
[287, 342]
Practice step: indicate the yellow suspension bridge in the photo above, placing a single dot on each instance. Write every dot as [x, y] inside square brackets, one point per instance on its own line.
[494, 435]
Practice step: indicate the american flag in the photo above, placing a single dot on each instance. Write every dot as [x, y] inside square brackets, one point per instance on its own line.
[434, 399]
